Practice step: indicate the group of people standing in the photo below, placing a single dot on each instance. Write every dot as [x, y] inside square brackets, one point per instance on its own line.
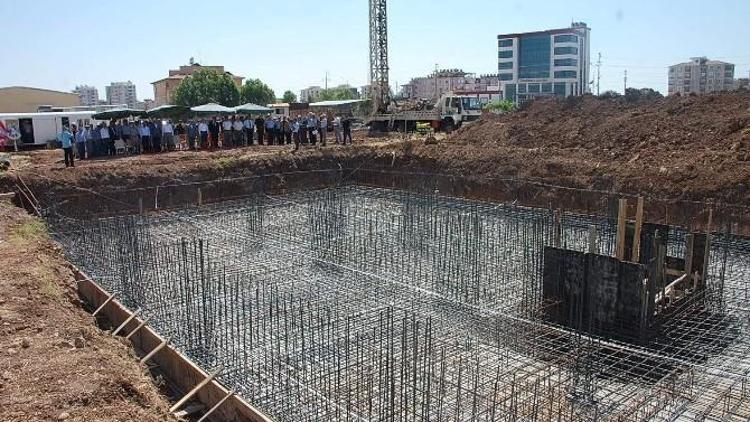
[153, 136]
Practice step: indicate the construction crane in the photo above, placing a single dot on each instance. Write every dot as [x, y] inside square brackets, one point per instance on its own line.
[450, 112]
[379, 56]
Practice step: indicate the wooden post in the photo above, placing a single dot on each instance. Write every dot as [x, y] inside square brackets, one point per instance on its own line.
[216, 406]
[200, 197]
[689, 240]
[127, 321]
[637, 231]
[707, 255]
[141, 325]
[140, 205]
[151, 354]
[109, 299]
[621, 229]
[195, 389]
[661, 256]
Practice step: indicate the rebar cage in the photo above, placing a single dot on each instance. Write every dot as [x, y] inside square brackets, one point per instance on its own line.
[351, 302]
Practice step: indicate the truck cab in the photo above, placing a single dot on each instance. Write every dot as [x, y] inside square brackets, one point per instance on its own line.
[456, 110]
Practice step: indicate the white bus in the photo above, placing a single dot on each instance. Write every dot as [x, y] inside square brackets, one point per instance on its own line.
[38, 129]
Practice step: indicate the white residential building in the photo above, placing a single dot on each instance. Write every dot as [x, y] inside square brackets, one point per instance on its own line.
[122, 93]
[485, 87]
[701, 76]
[88, 95]
[545, 63]
[309, 95]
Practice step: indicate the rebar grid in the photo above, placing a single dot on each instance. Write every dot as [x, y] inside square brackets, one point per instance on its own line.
[356, 303]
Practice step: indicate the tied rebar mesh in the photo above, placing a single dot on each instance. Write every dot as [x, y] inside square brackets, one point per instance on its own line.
[364, 304]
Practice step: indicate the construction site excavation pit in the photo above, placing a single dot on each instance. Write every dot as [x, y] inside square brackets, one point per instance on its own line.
[354, 303]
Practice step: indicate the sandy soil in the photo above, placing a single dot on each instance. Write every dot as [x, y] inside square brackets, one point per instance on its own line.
[55, 364]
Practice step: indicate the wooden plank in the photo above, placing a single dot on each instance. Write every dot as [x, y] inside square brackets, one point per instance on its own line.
[621, 220]
[638, 230]
[105, 303]
[195, 389]
[156, 349]
[175, 367]
[216, 406]
[707, 255]
[141, 325]
[189, 411]
[689, 240]
[126, 322]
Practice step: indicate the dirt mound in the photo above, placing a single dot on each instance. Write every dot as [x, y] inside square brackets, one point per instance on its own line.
[54, 363]
[678, 147]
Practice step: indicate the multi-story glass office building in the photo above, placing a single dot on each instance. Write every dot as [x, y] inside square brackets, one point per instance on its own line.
[545, 63]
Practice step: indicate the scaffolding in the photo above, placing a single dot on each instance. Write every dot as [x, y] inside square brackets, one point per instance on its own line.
[355, 303]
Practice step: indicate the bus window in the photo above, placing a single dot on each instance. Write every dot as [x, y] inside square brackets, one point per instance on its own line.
[26, 128]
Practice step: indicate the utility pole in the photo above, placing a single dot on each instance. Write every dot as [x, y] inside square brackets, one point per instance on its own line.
[436, 81]
[598, 74]
[326, 80]
[625, 81]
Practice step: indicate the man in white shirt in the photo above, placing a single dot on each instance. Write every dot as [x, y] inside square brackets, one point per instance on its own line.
[104, 136]
[249, 127]
[226, 128]
[323, 129]
[337, 130]
[237, 129]
[167, 135]
[203, 133]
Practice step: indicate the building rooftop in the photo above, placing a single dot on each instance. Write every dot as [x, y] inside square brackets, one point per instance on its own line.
[575, 27]
[36, 89]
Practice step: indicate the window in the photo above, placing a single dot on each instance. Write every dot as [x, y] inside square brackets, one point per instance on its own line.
[566, 38]
[510, 92]
[560, 89]
[534, 88]
[506, 76]
[505, 65]
[564, 74]
[559, 51]
[471, 104]
[522, 88]
[566, 62]
[507, 54]
[505, 43]
[547, 88]
[534, 56]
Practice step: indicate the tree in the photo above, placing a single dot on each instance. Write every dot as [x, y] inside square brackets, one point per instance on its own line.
[642, 94]
[610, 94]
[256, 92]
[289, 97]
[337, 94]
[504, 106]
[206, 86]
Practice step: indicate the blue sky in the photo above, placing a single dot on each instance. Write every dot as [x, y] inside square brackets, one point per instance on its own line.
[291, 44]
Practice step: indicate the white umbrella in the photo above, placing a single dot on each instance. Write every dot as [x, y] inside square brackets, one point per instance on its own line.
[251, 108]
[212, 108]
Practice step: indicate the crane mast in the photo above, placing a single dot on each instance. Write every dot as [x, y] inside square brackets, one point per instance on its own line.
[379, 56]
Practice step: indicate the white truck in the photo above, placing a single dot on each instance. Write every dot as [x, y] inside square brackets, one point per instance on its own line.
[449, 113]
